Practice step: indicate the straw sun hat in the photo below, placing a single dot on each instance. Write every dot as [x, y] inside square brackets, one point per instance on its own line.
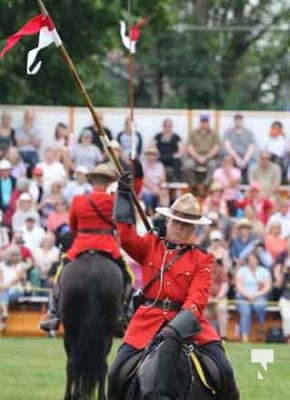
[185, 209]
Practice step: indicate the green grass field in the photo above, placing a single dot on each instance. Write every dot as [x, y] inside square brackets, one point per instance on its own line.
[33, 369]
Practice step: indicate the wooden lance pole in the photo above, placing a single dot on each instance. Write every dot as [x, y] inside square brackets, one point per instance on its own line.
[96, 119]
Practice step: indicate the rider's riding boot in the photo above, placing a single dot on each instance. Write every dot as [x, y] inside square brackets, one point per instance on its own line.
[52, 321]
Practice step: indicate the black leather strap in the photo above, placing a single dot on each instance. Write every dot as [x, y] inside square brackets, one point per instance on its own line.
[96, 231]
[165, 305]
[166, 267]
[98, 212]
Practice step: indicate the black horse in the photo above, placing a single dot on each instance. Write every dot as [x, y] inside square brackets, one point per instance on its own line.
[151, 375]
[90, 303]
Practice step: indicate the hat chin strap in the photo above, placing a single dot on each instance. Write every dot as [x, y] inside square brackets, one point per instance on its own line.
[172, 246]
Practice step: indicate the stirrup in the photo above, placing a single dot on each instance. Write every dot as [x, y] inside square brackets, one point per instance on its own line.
[48, 325]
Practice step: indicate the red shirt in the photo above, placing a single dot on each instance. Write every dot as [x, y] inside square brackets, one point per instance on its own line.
[188, 281]
[84, 217]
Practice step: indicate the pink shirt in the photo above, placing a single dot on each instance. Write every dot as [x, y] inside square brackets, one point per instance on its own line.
[56, 219]
[230, 193]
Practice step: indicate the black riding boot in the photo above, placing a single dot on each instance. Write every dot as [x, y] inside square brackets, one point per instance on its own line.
[52, 321]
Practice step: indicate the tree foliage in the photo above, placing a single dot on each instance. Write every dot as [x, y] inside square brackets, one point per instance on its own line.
[85, 27]
[193, 53]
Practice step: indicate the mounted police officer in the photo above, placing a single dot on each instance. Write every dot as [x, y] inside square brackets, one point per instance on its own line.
[180, 294]
[92, 229]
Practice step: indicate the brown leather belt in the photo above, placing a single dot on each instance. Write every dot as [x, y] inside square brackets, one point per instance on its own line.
[97, 231]
[165, 305]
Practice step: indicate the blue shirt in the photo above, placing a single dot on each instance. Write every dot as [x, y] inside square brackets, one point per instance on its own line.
[6, 185]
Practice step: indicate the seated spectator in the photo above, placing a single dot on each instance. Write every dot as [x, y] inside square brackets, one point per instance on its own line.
[282, 283]
[253, 283]
[32, 233]
[217, 306]
[259, 249]
[214, 202]
[240, 144]
[7, 184]
[95, 133]
[282, 260]
[52, 169]
[202, 151]
[154, 191]
[257, 203]
[219, 249]
[79, 185]
[118, 150]
[58, 216]
[266, 173]
[28, 139]
[49, 199]
[125, 140]
[243, 239]
[7, 134]
[45, 256]
[24, 208]
[12, 278]
[85, 152]
[282, 216]
[18, 168]
[170, 150]
[62, 144]
[274, 241]
[22, 186]
[276, 145]
[230, 178]
[4, 233]
[26, 255]
[36, 187]
[134, 165]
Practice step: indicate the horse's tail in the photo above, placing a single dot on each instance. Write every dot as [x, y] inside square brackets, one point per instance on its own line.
[88, 352]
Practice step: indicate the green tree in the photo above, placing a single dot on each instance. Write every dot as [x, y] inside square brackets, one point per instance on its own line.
[85, 27]
[215, 53]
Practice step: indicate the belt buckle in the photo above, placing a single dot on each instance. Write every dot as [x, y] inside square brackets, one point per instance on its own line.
[166, 305]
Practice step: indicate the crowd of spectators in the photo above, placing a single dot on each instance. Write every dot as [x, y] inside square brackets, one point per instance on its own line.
[237, 182]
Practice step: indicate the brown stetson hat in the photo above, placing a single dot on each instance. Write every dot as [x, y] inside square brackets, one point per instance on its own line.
[104, 170]
[185, 209]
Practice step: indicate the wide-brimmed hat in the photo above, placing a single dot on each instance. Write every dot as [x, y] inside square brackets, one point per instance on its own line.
[244, 223]
[185, 209]
[151, 150]
[215, 186]
[103, 170]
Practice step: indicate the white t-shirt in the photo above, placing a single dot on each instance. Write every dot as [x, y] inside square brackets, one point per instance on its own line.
[276, 146]
[44, 260]
[10, 273]
[51, 173]
[33, 238]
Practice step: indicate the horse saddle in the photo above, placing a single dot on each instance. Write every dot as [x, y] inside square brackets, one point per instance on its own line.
[207, 370]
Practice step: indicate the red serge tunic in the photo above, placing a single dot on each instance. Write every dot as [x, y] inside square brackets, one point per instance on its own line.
[188, 281]
[84, 218]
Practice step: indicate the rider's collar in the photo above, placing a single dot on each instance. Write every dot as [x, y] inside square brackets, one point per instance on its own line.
[173, 246]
